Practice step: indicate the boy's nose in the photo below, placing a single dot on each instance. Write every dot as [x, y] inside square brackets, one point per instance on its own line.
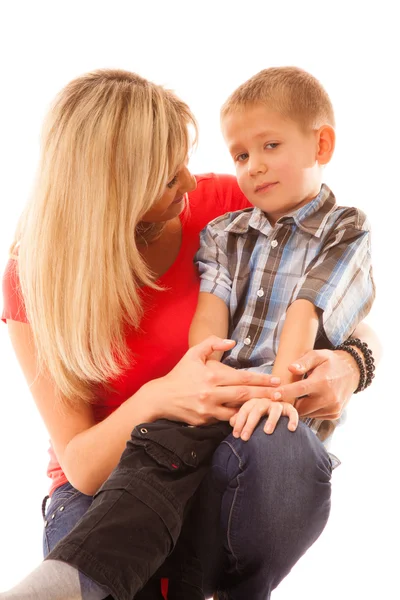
[256, 167]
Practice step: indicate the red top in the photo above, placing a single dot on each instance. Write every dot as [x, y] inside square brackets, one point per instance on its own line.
[163, 338]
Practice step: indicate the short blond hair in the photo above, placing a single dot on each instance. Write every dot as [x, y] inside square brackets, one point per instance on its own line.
[290, 91]
[111, 142]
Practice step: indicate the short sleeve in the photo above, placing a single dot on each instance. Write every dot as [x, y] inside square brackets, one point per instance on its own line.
[13, 304]
[339, 281]
[212, 261]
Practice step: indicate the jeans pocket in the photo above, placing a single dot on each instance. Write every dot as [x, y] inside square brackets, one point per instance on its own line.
[178, 446]
[66, 507]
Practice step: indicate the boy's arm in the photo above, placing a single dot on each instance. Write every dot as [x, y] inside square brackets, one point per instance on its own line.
[211, 318]
[298, 337]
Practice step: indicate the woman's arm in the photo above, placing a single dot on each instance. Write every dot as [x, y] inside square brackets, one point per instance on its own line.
[193, 392]
[333, 376]
[86, 451]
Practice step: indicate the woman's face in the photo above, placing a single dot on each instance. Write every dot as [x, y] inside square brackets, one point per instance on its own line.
[171, 203]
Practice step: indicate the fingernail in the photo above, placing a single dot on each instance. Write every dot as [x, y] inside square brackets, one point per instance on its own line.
[268, 429]
[275, 379]
[227, 341]
[292, 427]
[245, 436]
[277, 395]
[298, 367]
[235, 434]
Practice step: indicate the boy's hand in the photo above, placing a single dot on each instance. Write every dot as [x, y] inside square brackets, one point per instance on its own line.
[250, 413]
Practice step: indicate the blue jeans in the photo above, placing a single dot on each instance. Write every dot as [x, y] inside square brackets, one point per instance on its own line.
[259, 508]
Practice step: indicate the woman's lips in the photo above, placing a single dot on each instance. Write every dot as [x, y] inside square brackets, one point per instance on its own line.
[265, 187]
[178, 200]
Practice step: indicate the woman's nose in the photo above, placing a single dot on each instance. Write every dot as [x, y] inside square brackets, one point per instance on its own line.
[188, 181]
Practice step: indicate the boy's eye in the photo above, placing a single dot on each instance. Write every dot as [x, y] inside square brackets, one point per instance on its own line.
[241, 157]
[172, 182]
[272, 145]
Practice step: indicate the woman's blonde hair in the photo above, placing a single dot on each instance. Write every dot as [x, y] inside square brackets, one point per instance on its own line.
[111, 143]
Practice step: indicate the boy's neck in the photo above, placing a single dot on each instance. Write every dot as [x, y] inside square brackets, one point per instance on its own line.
[274, 217]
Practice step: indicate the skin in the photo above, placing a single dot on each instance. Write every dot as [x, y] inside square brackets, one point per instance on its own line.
[197, 391]
[279, 169]
[269, 149]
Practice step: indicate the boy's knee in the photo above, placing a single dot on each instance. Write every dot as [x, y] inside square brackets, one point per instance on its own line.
[296, 453]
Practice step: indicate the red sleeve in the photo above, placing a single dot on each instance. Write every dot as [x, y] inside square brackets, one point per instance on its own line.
[13, 304]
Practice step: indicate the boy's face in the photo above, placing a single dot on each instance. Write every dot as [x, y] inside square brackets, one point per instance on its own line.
[276, 162]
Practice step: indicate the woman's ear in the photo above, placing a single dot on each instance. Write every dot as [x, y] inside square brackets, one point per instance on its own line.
[326, 138]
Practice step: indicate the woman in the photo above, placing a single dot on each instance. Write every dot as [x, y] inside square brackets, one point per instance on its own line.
[98, 312]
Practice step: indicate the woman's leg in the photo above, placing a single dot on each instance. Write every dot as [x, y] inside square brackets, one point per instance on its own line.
[274, 493]
[66, 507]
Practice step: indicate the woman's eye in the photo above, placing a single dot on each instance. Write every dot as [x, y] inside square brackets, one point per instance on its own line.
[172, 182]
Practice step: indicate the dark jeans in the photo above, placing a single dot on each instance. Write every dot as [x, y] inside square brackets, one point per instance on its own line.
[259, 508]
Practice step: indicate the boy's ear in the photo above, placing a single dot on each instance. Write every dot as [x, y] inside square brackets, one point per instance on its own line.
[326, 144]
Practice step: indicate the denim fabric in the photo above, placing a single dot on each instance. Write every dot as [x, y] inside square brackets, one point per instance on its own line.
[258, 509]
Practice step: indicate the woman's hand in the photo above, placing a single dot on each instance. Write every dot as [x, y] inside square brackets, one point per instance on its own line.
[197, 391]
[333, 377]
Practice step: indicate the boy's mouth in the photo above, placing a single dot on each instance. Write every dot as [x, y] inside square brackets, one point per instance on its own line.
[264, 187]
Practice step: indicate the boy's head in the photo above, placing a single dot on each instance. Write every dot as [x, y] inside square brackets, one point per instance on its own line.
[279, 128]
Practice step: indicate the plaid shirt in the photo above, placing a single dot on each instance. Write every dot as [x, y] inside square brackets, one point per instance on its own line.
[320, 252]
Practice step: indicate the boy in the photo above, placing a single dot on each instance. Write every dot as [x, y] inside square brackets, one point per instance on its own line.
[294, 268]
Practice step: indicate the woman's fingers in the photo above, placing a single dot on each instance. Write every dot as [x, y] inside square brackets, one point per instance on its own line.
[222, 413]
[203, 350]
[234, 396]
[307, 362]
[226, 375]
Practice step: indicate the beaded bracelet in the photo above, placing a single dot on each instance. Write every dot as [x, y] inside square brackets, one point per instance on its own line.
[368, 358]
[366, 367]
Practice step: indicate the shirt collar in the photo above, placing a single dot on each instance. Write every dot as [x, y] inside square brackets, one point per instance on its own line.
[311, 217]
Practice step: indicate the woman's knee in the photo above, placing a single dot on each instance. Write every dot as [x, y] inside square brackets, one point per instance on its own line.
[66, 507]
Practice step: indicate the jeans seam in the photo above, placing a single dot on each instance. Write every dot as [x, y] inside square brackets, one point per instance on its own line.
[231, 511]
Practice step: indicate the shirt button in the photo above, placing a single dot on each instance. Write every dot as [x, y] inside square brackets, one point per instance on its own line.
[274, 243]
[247, 341]
[260, 293]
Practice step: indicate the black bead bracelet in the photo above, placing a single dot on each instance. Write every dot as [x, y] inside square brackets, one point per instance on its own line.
[366, 366]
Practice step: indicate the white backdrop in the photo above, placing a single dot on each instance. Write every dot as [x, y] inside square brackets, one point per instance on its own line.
[203, 50]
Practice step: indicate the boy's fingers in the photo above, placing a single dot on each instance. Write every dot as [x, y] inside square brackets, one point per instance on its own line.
[274, 415]
[254, 417]
[252, 421]
[241, 419]
[291, 412]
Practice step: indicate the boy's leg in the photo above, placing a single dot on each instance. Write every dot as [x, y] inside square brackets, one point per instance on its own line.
[276, 503]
